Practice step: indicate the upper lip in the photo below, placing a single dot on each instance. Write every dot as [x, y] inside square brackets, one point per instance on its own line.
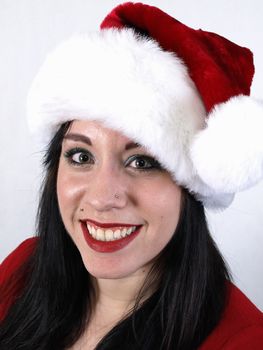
[107, 225]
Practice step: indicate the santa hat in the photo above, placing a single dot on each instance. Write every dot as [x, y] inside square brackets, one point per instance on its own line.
[180, 92]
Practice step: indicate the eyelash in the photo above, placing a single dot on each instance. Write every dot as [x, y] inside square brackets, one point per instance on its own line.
[70, 153]
[154, 164]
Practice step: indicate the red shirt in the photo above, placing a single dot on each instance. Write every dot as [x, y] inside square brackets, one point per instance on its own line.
[240, 328]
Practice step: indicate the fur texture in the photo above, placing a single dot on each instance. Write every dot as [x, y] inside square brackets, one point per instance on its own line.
[125, 82]
[156, 86]
[219, 68]
[228, 153]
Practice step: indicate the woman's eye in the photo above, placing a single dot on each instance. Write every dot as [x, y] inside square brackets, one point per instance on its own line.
[81, 157]
[78, 156]
[140, 162]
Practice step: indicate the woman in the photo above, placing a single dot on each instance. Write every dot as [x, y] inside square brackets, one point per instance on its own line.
[140, 123]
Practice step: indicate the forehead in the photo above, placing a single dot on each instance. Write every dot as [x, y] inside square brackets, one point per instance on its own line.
[95, 129]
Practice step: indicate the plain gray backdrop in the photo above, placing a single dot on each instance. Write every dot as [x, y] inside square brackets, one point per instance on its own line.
[31, 28]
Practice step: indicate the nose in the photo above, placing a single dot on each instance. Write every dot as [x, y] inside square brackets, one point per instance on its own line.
[107, 189]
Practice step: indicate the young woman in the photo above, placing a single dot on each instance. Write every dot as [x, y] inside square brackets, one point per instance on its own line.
[135, 118]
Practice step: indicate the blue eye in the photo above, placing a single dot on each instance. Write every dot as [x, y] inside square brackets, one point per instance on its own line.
[79, 156]
[143, 163]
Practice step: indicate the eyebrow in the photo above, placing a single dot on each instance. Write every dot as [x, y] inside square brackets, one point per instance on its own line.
[132, 145]
[86, 139]
[78, 137]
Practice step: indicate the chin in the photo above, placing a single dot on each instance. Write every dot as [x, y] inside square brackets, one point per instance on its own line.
[109, 276]
[109, 271]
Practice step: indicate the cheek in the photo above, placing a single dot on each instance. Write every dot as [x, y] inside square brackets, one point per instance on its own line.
[69, 191]
[169, 205]
[161, 203]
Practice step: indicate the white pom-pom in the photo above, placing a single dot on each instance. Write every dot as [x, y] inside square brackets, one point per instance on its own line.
[228, 153]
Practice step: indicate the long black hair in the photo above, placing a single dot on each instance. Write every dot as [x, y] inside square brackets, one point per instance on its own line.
[55, 305]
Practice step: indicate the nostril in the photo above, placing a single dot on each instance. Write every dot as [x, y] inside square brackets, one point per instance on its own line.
[106, 200]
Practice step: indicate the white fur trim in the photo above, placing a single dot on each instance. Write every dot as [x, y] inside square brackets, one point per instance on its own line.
[228, 153]
[131, 85]
[216, 201]
[126, 82]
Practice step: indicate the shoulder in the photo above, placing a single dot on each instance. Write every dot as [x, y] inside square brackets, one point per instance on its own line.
[241, 326]
[12, 273]
[16, 258]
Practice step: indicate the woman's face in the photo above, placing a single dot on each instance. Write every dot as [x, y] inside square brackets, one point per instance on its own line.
[117, 204]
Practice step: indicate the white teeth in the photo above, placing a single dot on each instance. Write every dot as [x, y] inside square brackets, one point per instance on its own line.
[100, 235]
[123, 232]
[117, 234]
[93, 231]
[109, 235]
[129, 231]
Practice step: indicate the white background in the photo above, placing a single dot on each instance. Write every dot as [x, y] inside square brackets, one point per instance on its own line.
[31, 28]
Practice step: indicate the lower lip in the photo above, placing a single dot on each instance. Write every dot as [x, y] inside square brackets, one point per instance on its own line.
[107, 246]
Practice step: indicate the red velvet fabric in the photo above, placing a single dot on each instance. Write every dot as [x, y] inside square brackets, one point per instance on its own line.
[10, 287]
[219, 68]
[241, 327]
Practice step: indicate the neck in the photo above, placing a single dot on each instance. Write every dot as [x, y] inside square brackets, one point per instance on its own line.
[114, 300]
[119, 295]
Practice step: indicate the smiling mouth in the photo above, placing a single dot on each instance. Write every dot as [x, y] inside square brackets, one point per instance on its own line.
[108, 237]
[110, 234]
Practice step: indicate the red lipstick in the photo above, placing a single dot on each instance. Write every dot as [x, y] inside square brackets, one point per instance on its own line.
[108, 225]
[108, 246]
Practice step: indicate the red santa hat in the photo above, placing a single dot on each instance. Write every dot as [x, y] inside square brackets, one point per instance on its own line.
[180, 92]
